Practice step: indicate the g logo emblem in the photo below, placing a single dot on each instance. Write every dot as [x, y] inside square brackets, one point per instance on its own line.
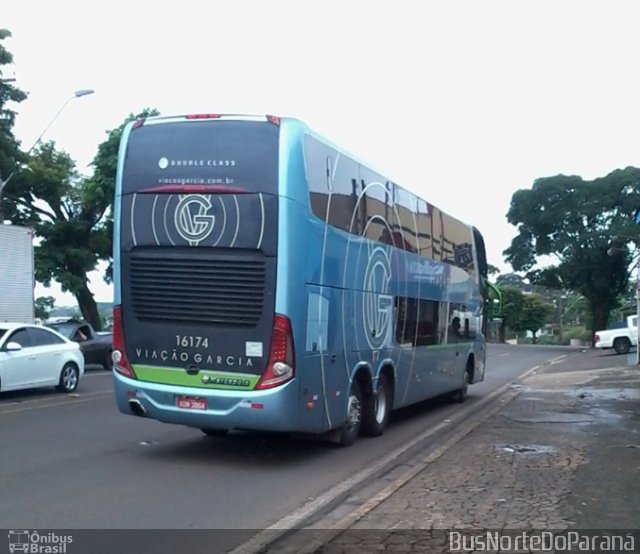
[377, 305]
[191, 219]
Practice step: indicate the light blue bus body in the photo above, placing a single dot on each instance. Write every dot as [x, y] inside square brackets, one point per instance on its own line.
[265, 279]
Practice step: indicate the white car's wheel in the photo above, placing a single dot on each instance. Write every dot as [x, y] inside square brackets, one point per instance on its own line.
[69, 377]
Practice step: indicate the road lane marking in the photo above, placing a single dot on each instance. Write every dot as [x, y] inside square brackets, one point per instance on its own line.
[52, 397]
[261, 540]
[83, 398]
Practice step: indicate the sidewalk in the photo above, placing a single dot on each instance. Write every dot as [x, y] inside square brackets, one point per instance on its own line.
[564, 454]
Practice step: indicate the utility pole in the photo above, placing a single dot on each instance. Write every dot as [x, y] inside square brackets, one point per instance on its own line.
[611, 251]
[561, 308]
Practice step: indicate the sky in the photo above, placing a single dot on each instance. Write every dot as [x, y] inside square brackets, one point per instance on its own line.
[461, 102]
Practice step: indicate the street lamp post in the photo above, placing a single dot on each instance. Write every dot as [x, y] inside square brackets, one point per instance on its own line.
[611, 251]
[638, 310]
[562, 309]
[76, 94]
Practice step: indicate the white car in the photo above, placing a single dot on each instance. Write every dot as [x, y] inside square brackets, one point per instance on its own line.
[34, 356]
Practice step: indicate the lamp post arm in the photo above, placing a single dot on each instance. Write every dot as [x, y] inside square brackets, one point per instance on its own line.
[3, 183]
[638, 311]
[77, 94]
[49, 125]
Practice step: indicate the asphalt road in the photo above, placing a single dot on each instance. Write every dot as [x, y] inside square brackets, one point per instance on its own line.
[75, 462]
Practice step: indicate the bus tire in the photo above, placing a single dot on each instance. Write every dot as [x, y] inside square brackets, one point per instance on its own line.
[351, 428]
[377, 408]
[460, 395]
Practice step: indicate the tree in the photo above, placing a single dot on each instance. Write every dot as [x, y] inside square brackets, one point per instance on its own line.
[10, 155]
[100, 188]
[534, 314]
[44, 305]
[512, 280]
[512, 305]
[49, 196]
[586, 226]
[70, 214]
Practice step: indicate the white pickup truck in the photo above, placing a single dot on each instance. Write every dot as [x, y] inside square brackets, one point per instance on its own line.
[620, 336]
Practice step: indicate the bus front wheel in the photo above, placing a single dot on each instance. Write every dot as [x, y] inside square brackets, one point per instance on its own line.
[460, 395]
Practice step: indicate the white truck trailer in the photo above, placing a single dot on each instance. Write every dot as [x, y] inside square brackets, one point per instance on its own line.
[16, 274]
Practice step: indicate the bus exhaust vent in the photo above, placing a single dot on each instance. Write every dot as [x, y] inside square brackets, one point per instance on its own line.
[215, 290]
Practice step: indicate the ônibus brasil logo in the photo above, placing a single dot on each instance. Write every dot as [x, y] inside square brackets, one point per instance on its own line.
[38, 542]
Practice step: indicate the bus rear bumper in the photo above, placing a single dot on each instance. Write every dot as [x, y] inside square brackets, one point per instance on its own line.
[265, 410]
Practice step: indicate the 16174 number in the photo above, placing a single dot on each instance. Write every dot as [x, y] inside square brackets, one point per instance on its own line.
[186, 341]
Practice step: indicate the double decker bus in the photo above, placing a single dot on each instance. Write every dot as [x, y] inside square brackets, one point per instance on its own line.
[266, 279]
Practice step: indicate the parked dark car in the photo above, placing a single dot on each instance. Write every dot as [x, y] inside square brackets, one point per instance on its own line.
[96, 347]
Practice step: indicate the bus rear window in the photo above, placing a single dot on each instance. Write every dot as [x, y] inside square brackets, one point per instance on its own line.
[237, 156]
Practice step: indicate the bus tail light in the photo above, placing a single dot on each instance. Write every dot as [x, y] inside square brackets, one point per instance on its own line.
[119, 356]
[281, 366]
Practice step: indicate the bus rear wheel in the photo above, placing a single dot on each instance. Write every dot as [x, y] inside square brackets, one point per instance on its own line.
[351, 428]
[377, 408]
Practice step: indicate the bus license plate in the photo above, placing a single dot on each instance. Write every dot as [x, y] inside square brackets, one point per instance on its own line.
[191, 403]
